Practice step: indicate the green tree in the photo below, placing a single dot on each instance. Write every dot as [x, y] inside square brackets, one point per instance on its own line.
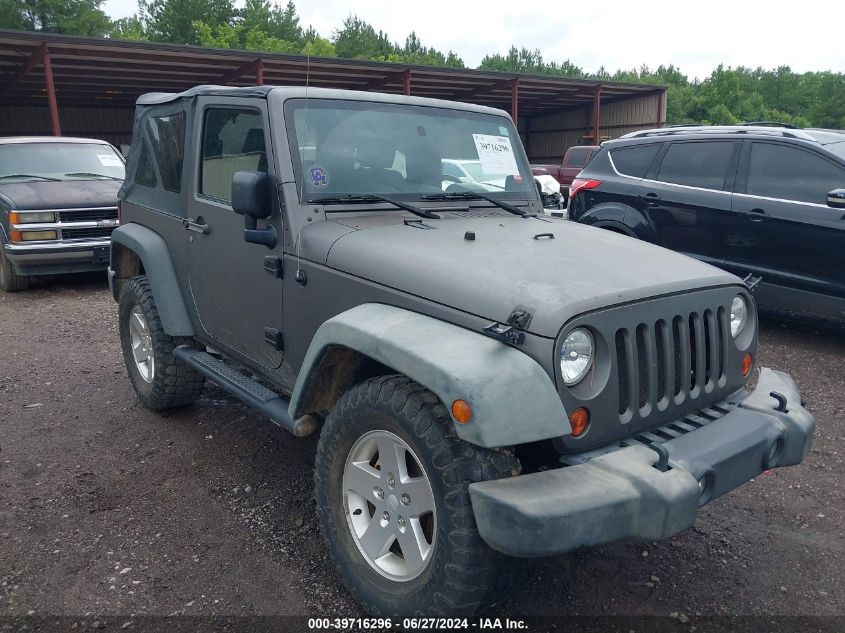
[131, 28]
[73, 17]
[173, 20]
[285, 23]
[358, 39]
[12, 15]
[318, 47]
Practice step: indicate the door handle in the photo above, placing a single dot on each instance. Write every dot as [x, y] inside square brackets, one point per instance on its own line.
[649, 198]
[197, 226]
[756, 215]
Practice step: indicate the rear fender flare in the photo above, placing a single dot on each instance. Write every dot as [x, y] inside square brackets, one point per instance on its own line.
[513, 399]
[152, 250]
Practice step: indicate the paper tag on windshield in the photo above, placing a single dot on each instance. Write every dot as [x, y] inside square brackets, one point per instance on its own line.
[109, 161]
[495, 154]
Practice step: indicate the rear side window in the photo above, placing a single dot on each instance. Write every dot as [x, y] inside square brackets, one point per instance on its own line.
[578, 157]
[703, 164]
[634, 161]
[232, 141]
[168, 138]
[145, 174]
[788, 173]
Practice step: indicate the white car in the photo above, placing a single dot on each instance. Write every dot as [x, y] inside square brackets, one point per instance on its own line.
[470, 172]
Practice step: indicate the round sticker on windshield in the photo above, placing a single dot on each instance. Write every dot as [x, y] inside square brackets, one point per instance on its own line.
[319, 177]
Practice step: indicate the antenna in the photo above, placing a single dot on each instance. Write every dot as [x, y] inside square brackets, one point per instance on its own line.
[300, 274]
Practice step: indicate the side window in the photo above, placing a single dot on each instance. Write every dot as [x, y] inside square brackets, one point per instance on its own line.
[232, 141]
[788, 173]
[634, 161]
[701, 164]
[168, 139]
[578, 158]
[145, 173]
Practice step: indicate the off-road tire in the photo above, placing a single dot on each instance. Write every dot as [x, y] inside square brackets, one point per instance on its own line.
[174, 383]
[464, 576]
[10, 280]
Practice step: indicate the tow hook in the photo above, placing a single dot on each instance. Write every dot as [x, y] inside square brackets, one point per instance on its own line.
[781, 401]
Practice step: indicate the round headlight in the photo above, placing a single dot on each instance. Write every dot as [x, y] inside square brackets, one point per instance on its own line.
[739, 315]
[576, 355]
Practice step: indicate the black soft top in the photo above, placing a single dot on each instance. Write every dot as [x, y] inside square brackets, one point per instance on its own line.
[158, 98]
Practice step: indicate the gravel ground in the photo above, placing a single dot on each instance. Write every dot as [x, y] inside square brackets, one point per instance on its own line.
[107, 508]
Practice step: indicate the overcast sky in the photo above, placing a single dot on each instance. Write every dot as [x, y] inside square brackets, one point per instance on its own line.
[695, 36]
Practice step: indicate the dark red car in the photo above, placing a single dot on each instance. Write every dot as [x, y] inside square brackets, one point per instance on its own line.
[575, 159]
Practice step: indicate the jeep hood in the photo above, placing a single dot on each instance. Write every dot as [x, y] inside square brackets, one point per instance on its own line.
[513, 262]
[64, 194]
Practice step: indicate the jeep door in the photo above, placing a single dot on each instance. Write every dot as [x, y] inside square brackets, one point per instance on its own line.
[239, 303]
[686, 197]
[790, 236]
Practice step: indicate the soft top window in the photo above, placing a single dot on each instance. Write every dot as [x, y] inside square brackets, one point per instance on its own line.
[167, 134]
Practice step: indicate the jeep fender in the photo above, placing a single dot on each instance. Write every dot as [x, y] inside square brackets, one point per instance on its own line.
[620, 217]
[513, 399]
[152, 250]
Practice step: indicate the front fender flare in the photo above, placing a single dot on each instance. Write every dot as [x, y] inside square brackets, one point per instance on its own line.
[151, 248]
[513, 399]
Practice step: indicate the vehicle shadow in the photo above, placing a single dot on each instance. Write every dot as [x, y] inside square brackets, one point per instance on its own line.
[81, 282]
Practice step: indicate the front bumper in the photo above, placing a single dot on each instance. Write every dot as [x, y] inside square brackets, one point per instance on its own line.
[623, 495]
[59, 257]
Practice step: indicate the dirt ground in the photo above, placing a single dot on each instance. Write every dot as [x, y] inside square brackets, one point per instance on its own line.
[107, 508]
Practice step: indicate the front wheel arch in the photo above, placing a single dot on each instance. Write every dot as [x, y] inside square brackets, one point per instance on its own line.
[464, 575]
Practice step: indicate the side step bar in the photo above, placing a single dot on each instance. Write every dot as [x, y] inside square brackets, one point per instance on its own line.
[246, 389]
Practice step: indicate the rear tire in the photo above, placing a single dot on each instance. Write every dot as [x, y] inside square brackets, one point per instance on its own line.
[460, 575]
[10, 280]
[161, 380]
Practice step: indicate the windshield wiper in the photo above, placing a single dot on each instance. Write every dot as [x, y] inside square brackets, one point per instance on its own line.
[91, 173]
[472, 195]
[423, 213]
[29, 176]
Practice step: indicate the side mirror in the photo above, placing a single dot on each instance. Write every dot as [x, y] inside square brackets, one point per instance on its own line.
[251, 194]
[836, 199]
[251, 198]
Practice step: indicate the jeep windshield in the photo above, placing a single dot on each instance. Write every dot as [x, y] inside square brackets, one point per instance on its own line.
[59, 161]
[405, 152]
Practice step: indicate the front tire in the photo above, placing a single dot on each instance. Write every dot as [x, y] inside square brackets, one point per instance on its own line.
[10, 280]
[161, 380]
[392, 481]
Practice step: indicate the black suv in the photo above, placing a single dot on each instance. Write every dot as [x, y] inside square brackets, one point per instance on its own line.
[758, 200]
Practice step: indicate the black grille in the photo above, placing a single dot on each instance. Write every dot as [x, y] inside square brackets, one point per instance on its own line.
[76, 234]
[87, 215]
[682, 361]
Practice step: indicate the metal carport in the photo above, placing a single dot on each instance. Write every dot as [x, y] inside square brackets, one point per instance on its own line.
[54, 84]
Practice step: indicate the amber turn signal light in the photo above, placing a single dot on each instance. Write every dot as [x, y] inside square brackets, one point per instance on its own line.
[579, 420]
[461, 411]
[747, 363]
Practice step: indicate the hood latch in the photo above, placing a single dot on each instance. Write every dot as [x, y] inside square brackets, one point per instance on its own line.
[519, 318]
[504, 333]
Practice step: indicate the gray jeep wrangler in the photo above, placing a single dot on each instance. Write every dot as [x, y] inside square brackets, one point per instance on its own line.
[487, 382]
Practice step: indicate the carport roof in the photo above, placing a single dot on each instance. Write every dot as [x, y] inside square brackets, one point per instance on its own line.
[107, 72]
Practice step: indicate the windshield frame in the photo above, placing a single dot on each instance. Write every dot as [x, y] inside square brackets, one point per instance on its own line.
[293, 105]
[45, 176]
